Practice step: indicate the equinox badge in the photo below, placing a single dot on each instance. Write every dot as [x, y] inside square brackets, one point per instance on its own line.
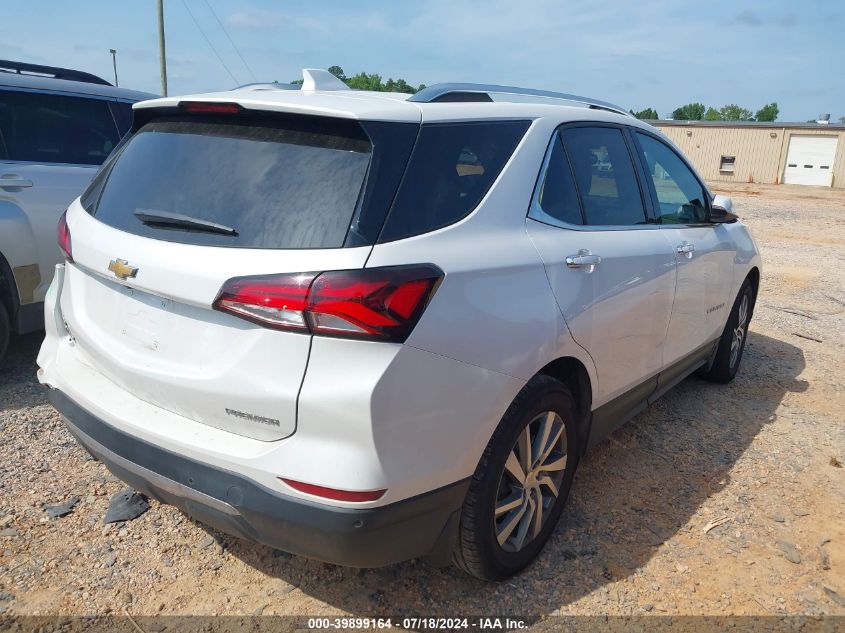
[122, 269]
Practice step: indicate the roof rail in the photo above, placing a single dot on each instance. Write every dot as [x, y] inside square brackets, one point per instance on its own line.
[481, 92]
[20, 68]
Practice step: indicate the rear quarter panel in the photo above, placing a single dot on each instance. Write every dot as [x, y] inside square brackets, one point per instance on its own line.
[495, 308]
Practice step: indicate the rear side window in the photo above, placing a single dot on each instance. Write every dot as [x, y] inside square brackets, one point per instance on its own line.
[450, 170]
[557, 197]
[605, 176]
[287, 182]
[45, 128]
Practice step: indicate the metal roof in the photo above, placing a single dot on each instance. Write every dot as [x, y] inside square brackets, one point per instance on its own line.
[64, 86]
[387, 106]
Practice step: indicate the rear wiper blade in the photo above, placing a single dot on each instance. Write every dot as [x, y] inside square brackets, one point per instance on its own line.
[186, 222]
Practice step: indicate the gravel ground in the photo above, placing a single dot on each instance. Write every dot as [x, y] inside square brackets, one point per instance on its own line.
[761, 459]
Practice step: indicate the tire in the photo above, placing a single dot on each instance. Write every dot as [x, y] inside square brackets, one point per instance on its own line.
[5, 331]
[543, 403]
[732, 341]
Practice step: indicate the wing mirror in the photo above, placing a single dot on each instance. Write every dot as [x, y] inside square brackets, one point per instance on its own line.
[720, 210]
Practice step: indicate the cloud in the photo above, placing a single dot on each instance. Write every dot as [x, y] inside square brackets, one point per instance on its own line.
[255, 19]
[750, 18]
[325, 23]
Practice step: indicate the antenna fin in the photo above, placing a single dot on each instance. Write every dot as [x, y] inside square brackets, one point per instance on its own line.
[317, 79]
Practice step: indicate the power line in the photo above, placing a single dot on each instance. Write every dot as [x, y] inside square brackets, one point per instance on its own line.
[228, 37]
[199, 28]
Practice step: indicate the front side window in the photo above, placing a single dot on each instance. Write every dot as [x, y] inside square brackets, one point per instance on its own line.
[450, 170]
[45, 128]
[605, 176]
[680, 196]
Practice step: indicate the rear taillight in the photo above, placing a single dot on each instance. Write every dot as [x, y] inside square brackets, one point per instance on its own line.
[371, 303]
[63, 237]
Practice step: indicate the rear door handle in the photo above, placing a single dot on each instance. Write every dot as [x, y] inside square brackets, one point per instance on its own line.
[8, 181]
[685, 249]
[584, 259]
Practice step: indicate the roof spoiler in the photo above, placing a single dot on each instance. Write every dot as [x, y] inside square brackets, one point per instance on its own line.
[21, 68]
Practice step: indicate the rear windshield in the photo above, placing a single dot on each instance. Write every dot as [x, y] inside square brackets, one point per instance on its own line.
[273, 183]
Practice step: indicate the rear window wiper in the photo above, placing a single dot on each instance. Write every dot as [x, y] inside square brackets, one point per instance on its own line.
[184, 222]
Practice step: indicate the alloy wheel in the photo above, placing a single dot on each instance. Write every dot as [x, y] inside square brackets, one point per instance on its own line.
[530, 482]
[739, 330]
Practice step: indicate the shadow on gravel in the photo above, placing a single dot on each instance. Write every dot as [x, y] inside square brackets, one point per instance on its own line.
[19, 386]
[632, 493]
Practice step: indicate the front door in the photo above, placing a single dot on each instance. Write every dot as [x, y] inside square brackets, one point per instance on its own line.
[704, 251]
[612, 273]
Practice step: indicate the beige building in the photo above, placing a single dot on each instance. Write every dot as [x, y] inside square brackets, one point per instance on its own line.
[739, 151]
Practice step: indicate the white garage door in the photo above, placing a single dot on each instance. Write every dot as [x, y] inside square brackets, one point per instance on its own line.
[809, 160]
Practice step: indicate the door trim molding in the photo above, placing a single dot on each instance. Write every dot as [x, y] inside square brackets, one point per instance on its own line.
[612, 415]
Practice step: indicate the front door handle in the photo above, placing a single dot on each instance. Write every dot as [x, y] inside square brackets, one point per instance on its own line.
[14, 181]
[584, 259]
[686, 249]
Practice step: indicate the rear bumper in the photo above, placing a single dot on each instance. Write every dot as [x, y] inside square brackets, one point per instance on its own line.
[425, 525]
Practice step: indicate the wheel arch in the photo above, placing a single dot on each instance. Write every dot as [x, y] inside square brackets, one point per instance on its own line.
[753, 277]
[572, 372]
[8, 289]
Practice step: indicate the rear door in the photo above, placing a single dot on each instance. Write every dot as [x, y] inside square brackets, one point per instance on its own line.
[613, 274]
[50, 148]
[282, 192]
[704, 251]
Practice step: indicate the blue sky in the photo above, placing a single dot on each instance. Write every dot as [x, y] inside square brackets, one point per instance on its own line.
[635, 53]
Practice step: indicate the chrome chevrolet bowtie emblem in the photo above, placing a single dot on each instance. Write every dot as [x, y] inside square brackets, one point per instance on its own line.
[122, 269]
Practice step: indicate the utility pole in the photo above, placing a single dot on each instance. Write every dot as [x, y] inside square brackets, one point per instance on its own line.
[161, 60]
[114, 63]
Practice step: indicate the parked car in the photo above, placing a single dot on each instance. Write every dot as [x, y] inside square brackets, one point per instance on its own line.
[56, 128]
[366, 327]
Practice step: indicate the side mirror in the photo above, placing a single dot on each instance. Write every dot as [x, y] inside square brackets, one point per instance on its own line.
[723, 202]
[720, 210]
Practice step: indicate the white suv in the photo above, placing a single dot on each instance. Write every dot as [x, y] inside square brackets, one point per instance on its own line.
[366, 327]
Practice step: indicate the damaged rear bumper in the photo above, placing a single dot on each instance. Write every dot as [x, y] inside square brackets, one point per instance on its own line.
[425, 525]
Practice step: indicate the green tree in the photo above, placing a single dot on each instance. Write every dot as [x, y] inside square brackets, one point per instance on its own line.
[768, 112]
[842, 119]
[689, 112]
[649, 114]
[712, 114]
[733, 112]
[337, 71]
[363, 81]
